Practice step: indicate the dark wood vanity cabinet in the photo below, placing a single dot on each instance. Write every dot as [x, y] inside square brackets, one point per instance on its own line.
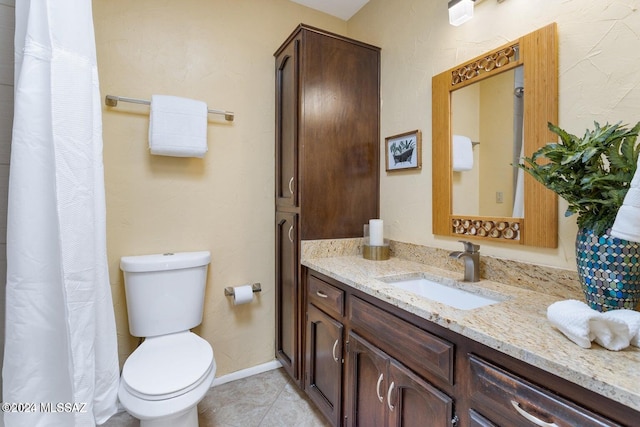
[402, 370]
[355, 382]
[327, 160]
[391, 371]
[381, 391]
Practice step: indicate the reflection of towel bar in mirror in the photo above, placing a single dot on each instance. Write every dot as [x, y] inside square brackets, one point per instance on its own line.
[474, 143]
[112, 101]
[256, 287]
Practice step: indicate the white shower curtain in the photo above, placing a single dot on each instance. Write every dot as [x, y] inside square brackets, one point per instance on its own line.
[60, 345]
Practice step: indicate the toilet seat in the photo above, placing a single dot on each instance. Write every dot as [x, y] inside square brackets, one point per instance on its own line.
[167, 366]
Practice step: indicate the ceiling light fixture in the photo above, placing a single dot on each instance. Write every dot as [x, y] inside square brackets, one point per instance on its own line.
[460, 11]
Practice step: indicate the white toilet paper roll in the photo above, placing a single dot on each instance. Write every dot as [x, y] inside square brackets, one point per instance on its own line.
[242, 294]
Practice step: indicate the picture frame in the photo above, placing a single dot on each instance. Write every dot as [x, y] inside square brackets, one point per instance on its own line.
[403, 151]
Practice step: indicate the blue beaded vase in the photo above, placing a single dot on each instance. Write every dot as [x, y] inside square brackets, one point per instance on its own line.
[609, 270]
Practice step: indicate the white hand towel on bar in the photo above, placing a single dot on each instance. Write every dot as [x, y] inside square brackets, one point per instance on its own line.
[462, 153]
[177, 126]
[627, 223]
[631, 318]
[581, 324]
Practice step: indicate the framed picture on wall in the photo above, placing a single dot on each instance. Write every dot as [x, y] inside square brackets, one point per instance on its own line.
[403, 151]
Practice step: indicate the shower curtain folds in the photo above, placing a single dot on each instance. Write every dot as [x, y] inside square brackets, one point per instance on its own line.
[60, 345]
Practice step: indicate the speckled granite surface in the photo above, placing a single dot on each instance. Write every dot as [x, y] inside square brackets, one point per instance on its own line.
[516, 326]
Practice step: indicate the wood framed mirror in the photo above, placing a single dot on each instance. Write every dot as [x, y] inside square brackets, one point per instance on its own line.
[530, 63]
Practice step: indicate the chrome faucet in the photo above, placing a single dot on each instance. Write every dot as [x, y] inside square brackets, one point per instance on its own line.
[471, 256]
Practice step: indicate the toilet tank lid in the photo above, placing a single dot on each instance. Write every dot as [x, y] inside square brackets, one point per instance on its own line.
[166, 261]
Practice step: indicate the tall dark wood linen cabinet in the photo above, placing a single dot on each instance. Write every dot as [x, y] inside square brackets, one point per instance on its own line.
[327, 161]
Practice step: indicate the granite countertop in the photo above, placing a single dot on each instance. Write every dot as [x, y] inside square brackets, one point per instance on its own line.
[516, 326]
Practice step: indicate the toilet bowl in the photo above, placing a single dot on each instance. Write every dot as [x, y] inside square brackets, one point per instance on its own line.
[171, 371]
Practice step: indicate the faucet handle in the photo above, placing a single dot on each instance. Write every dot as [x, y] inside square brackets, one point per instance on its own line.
[470, 247]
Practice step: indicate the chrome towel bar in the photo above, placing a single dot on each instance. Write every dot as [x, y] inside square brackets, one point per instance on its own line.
[112, 101]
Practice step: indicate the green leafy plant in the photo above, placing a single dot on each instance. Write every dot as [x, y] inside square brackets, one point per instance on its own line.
[592, 173]
[402, 146]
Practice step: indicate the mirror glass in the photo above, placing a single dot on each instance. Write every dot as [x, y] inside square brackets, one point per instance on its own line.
[490, 114]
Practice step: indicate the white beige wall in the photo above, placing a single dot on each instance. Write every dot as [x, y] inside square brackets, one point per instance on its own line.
[599, 80]
[221, 52]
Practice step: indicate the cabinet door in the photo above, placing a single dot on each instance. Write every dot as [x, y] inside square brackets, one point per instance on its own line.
[382, 392]
[287, 125]
[413, 402]
[287, 308]
[339, 138]
[367, 383]
[323, 376]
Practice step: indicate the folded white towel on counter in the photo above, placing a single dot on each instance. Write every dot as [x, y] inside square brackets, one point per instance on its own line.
[177, 126]
[627, 223]
[462, 153]
[631, 318]
[581, 324]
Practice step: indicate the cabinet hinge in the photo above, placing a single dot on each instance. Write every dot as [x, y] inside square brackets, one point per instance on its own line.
[346, 346]
[455, 420]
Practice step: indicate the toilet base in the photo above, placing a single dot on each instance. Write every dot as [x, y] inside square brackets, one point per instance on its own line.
[188, 418]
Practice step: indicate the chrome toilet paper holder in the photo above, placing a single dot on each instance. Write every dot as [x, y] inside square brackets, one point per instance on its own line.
[256, 287]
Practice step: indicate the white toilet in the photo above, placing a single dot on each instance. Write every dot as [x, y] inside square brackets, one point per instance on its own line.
[170, 372]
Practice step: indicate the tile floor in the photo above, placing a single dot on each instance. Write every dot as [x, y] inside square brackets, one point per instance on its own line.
[268, 399]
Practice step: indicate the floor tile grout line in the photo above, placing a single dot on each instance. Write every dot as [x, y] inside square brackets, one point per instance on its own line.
[268, 411]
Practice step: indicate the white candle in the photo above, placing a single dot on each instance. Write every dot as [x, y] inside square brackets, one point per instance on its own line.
[376, 232]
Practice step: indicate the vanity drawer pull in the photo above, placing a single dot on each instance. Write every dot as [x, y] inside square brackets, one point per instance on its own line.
[322, 294]
[537, 421]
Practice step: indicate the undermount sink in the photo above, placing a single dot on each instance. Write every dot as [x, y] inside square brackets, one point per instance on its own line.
[435, 291]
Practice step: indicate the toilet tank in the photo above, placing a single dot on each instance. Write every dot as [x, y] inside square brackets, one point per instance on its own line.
[165, 292]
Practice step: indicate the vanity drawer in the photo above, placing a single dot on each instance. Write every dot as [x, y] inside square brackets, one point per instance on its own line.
[325, 296]
[419, 350]
[510, 400]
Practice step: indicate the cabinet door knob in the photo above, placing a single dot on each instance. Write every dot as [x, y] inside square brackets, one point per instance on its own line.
[290, 234]
[537, 421]
[291, 186]
[380, 398]
[333, 352]
[391, 407]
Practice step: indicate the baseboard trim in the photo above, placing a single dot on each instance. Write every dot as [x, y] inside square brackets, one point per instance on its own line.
[244, 373]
